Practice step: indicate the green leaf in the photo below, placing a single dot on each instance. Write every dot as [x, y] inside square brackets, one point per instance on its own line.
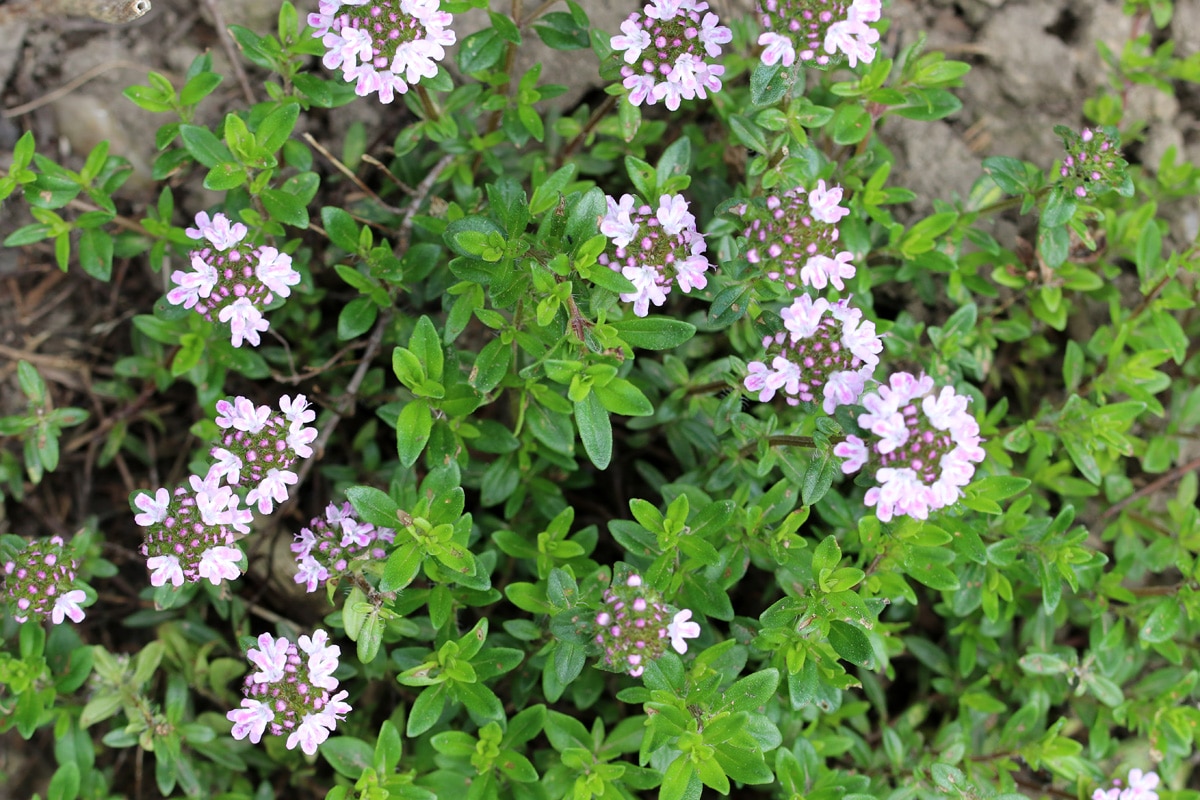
[595, 430]
[1060, 207]
[748, 133]
[96, 253]
[481, 51]
[65, 783]
[676, 161]
[286, 208]
[850, 125]
[426, 345]
[413, 427]
[654, 333]
[347, 755]
[1007, 173]
[768, 84]
[560, 31]
[341, 228]
[752, 692]
[621, 397]
[277, 126]
[402, 567]
[426, 710]
[374, 506]
[851, 643]
[356, 318]
[204, 146]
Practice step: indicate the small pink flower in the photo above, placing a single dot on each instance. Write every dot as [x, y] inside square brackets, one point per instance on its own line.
[633, 41]
[220, 563]
[779, 49]
[680, 630]
[218, 231]
[275, 271]
[824, 203]
[270, 658]
[163, 569]
[820, 270]
[245, 321]
[309, 736]
[250, 720]
[154, 508]
[273, 489]
[673, 214]
[68, 605]
[854, 451]
[646, 289]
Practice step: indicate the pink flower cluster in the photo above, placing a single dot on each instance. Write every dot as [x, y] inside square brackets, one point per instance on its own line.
[923, 446]
[633, 628]
[829, 356]
[655, 249]
[794, 236]
[325, 549]
[383, 46]
[1141, 787]
[39, 582]
[665, 48]
[1093, 163]
[260, 445]
[190, 531]
[231, 280]
[291, 694]
[817, 31]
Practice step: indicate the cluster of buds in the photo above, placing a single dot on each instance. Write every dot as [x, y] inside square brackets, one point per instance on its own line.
[794, 237]
[665, 47]
[923, 446]
[383, 46]
[190, 532]
[815, 32]
[818, 356]
[291, 694]
[632, 630]
[232, 280]
[654, 249]
[1141, 787]
[39, 582]
[1093, 164]
[325, 549]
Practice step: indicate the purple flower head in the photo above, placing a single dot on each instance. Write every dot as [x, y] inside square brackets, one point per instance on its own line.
[39, 581]
[655, 249]
[232, 281]
[826, 354]
[818, 32]
[330, 543]
[1093, 164]
[383, 46]
[923, 445]
[259, 445]
[794, 236]
[191, 537]
[666, 50]
[290, 693]
[634, 627]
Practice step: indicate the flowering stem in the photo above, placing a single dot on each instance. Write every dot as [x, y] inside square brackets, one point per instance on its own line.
[1010, 202]
[431, 110]
[600, 113]
[785, 440]
[537, 12]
